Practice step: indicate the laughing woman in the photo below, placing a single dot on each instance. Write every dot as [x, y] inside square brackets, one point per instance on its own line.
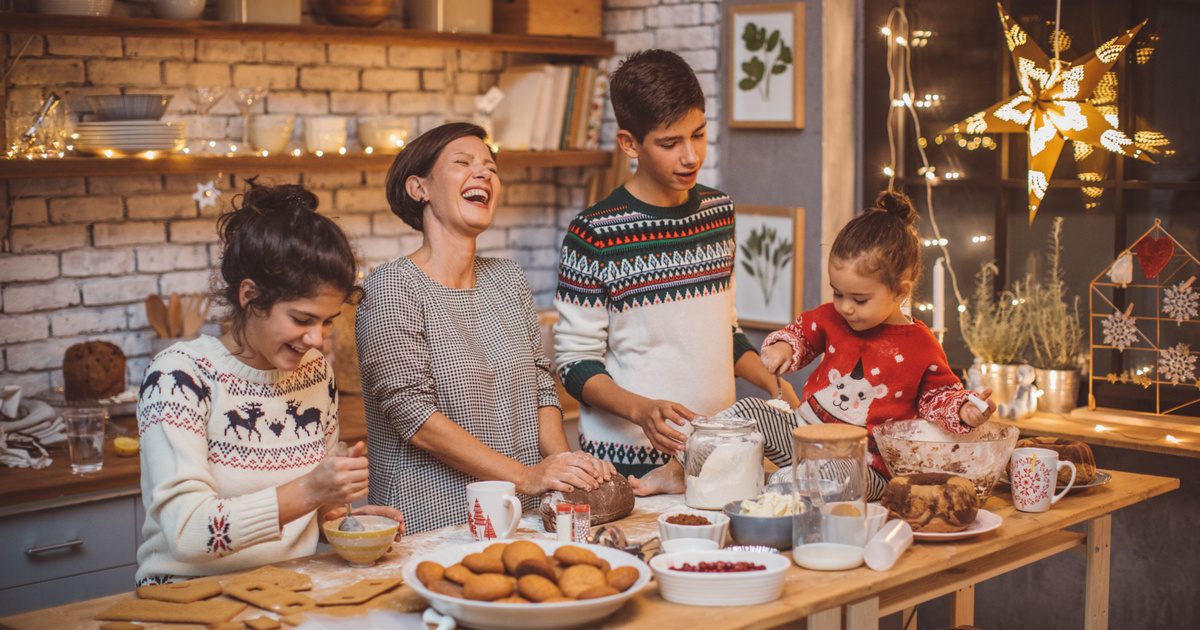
[455, 383]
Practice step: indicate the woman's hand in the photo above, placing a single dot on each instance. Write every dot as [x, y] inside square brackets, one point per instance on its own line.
[563, 472]
[339, 479]
[370, 510]
[777, 357]
[652, 416]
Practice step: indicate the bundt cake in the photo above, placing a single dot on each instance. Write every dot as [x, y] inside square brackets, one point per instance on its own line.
[1072, 451]
[932, 502]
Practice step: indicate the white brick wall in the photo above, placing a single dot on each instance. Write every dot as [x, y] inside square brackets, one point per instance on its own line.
[84, 253]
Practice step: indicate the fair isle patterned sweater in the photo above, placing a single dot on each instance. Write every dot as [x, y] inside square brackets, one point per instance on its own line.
[890, 372]
[645, 295]
[217, 437]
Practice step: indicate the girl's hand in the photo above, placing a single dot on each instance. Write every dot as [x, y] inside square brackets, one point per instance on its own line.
[562, 471]
[777, 357]
[972, 416]
[652, 416]
[339, 479]
[371, 510]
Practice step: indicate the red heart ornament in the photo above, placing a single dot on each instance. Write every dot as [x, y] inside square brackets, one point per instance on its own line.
[1154, 253]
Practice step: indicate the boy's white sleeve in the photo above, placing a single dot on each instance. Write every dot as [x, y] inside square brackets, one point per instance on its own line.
[581, 334]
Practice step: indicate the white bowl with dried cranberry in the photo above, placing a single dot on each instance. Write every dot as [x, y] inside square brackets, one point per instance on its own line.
[693, 524]
[720, 578]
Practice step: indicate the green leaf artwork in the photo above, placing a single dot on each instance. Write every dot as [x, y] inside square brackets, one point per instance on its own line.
[776, 55]
[765, 255]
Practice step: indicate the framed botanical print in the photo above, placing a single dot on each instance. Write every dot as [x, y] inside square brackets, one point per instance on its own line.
[769, 265]
[765, 61]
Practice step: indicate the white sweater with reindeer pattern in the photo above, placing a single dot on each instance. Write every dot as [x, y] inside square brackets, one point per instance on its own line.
[217, 437]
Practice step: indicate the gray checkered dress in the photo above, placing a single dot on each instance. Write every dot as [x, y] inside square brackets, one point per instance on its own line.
[473, 354]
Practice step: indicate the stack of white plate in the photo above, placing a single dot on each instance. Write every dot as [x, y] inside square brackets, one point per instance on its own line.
[129, 136]
[75, 7]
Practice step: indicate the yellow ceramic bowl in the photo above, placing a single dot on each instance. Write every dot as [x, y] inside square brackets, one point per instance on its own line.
[362, 549]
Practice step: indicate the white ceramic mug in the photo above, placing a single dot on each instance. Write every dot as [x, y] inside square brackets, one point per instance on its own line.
[493, 510]
[1033, 475]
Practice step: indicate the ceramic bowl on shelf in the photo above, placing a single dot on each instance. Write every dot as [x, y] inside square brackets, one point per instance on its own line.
[742, 588]
[714, 531]
[271, 132]
[74, 7]
[356, 12]
[917, 446]
[387, 134]
[114, 107]
[324, 133]
[362, 549]
[178, 9]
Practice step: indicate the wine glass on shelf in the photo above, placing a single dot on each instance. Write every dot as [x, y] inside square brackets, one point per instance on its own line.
[245, 98]
[203, 99]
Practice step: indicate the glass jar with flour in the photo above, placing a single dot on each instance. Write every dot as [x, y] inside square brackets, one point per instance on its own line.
[723, 461]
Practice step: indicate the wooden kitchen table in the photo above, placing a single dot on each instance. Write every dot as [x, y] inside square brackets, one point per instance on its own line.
[828, 600]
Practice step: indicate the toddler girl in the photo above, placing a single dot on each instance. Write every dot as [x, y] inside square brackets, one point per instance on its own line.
[878, 364]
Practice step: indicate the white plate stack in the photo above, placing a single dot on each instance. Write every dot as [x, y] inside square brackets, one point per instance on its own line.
[130, 136]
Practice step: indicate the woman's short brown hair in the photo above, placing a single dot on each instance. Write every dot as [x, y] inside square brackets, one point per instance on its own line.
[418, 158]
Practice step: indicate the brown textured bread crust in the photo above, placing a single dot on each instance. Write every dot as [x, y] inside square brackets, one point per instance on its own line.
[611, 501]
[932, 502]
[93, 370]
[1072, 451]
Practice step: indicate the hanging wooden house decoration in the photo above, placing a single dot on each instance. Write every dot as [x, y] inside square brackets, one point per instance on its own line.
[1146, 316]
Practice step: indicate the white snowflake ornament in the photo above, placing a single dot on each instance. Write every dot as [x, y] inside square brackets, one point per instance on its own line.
[206, 195]
[1181, 302]
[1177, 364]
[1120, 330]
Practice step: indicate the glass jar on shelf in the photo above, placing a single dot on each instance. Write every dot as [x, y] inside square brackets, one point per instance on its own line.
[723, 461]
[829, 480]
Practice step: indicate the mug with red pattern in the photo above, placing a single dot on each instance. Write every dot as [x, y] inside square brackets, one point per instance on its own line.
[493, 510]
[1033, 475]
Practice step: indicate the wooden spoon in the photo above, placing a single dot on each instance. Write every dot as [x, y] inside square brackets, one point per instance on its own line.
[195, 311]
[175, 315]
[156, 314]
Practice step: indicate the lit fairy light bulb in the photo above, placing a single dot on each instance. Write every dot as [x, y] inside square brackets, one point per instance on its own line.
[368, 150]
[295, 152]
[887, 32]
[889, 171]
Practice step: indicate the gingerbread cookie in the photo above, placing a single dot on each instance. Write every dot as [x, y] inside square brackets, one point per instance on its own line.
[181, 592]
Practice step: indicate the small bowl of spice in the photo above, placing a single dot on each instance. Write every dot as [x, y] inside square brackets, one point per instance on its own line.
[693, 524]
[720, 578]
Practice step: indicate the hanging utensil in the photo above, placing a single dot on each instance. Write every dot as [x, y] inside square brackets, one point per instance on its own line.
[195, 312]
[175, 315]
[156, 314]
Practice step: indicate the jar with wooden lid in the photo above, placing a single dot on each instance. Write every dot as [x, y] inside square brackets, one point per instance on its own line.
[829, 481]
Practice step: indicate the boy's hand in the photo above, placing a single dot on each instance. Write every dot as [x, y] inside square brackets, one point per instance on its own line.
[777, 357]
[972, 416]
[652, 416]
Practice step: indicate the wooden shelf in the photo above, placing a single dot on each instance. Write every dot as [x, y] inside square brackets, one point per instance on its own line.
[36, 24]
[182, 164]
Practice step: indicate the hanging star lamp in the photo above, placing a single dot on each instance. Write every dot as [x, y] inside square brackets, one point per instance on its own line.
[1052, 106]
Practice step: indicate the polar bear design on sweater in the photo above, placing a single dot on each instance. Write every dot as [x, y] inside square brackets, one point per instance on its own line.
[847, 399]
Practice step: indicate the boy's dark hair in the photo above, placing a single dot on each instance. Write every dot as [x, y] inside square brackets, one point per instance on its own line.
[275, 237]
[418, 158]
[652, 88]
[885, 237]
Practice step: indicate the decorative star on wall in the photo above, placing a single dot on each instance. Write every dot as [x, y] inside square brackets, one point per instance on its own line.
[206, 195]
[1052, 106]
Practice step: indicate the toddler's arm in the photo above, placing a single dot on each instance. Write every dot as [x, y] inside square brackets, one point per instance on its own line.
[794, 346]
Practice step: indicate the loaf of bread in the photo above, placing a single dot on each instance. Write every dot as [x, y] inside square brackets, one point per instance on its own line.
[1072, 451]
[93, 370]
[932, 502]
[611, 501]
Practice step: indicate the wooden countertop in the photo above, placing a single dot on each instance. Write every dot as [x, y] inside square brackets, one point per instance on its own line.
[805, 592]
[1167, 435]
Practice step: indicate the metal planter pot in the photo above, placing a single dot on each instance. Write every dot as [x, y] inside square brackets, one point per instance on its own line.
[1060, 390]
[1002, 379]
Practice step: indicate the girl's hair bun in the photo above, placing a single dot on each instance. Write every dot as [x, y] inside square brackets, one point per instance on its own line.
[898, 205]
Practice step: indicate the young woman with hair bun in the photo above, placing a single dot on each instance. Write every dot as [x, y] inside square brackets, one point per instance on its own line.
[239, 432]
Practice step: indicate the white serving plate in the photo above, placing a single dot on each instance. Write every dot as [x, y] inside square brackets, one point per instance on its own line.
[985, 521]
[489, 616]
[720, 589]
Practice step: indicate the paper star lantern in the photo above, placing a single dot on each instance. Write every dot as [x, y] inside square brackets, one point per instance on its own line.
[1052, 106]
[206, 195]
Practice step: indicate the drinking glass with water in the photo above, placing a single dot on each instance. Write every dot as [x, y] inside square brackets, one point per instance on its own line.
[85, 438]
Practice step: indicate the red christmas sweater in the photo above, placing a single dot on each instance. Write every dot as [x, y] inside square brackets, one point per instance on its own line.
[890, 372]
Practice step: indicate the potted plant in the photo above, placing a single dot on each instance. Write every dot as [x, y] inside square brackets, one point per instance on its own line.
[1055, 331]
[995, 332]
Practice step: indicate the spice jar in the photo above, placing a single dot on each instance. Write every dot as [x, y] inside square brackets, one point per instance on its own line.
[723, 461]
[829, 477]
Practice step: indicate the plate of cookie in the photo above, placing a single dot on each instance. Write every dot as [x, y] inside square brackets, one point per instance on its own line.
[523, 584]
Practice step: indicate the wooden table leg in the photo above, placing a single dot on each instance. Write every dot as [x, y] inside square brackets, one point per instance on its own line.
[1099, 547]
[828, 619]
[962, 608]
[863, 615]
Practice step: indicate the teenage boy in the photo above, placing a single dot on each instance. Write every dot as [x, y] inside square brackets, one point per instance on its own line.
[647, 331]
